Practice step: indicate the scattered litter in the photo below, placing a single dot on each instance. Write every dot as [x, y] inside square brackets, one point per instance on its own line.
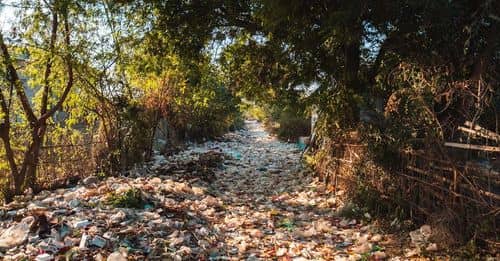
[432, 247]
[90, 180]
[83, 241]
[379, 255]
[116, 256]
[235, 199]
[81, 223]
[74, 203]
[98, 241]
[16, 234]
[44, 257]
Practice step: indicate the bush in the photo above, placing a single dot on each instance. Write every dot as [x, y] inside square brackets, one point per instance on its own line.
[195, 109]
[293, 124]
[254, 112]
[287, 121]
[132, 198]
[204, 112]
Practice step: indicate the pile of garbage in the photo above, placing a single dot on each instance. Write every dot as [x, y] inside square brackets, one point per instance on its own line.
[420, 240]
[245, 197]
[195, 165]
[157, 216]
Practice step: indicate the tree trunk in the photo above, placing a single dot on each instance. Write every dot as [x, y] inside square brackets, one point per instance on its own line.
[351, 70]
[35, 158]
[352, 59]
[27, 175]
[8, 193]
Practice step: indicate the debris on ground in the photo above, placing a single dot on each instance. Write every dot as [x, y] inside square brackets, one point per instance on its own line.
[246, 196]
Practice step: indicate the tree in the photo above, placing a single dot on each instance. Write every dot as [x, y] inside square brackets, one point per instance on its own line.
[23, 173]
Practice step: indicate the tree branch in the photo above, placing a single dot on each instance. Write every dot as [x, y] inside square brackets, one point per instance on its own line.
[13, 78]
[69, 65]
[48, 66]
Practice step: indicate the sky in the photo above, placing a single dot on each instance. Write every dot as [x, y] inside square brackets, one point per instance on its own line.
[7, 14]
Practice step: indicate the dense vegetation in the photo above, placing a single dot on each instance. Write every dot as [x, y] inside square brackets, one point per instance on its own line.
[93, 74]
[393, 75]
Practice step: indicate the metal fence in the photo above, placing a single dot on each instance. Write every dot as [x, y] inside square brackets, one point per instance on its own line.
[61, 164]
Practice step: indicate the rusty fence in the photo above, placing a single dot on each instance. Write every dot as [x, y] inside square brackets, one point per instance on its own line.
[67, 162]
[463, 184]
[62, 163]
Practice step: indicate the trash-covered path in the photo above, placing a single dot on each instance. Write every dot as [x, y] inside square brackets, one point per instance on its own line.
[274, 208]
[244, 197]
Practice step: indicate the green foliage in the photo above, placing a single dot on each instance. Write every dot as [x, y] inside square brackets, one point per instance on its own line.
[292, 123]
[38, 64]
[256, 113]
[131, 198]
[253, 111]
[287, 223]
[210, 110]
[410, 120]
[192, 99]
[288, 120]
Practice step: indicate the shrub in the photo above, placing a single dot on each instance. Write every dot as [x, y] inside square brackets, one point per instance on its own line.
[132, 198]
[293, 124]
